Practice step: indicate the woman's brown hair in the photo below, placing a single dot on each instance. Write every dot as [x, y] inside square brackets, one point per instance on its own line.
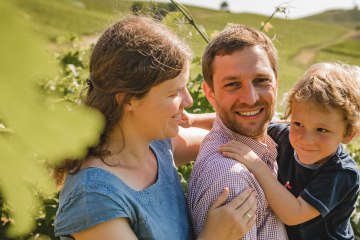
[131, 56]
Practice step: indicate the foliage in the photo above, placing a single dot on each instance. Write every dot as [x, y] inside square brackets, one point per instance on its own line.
[224, 6]
[70, 80]
[27, 150]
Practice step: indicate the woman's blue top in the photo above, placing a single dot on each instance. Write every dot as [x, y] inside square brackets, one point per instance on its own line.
[94, 195]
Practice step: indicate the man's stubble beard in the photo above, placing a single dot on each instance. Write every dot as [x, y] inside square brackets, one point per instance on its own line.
[252, 130]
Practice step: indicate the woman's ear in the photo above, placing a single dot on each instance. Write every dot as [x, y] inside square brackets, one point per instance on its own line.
[121, 100]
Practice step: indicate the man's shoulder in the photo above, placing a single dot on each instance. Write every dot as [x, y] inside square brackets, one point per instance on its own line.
[212, 166]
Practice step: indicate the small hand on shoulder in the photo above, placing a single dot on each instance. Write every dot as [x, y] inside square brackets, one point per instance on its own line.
[241, 153]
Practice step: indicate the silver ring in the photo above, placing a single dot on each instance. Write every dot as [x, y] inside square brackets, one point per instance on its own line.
[248, 215]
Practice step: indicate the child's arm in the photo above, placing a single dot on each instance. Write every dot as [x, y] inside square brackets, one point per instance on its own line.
[289, 209]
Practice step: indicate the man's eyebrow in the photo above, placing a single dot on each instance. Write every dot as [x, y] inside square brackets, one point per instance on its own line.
[230, 77]
[263, 75]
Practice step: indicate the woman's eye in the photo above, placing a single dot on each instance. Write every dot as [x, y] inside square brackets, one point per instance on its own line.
[174, 95]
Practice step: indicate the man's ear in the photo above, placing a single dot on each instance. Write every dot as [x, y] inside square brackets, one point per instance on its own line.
[120, 99]
[209, 93]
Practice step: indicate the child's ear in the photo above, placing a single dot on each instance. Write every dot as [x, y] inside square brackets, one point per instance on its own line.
[348, 138]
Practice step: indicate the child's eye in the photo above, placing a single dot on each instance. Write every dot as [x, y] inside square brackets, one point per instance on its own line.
[322, 130]
[297, 124]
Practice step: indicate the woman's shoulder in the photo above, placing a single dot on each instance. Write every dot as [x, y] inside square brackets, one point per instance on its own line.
[87, 184]
[89, 197]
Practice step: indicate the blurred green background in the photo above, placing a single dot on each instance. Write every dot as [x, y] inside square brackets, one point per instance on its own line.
[44, 61]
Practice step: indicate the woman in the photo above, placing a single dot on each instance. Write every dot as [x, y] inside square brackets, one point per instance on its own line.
[127, 186]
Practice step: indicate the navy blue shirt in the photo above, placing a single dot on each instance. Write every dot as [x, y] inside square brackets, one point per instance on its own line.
[332, 188]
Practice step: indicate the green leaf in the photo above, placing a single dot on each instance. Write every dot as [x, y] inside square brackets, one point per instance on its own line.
[41, 133]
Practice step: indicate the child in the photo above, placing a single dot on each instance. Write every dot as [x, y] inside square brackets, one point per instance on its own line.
[321, 178]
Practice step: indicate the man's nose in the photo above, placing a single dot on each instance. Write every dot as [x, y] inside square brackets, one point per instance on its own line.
[248, 94]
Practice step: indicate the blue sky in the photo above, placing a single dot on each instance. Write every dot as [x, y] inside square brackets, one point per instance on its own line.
[298, 8]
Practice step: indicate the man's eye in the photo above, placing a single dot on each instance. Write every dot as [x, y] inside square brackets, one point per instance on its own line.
[233, 84]
[262, 80]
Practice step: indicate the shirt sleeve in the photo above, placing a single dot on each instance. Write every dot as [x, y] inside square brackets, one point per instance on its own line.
[227, 174]
[84, 211]
[329, 188]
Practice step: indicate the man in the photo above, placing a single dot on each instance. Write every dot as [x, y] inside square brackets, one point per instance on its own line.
[240, 71]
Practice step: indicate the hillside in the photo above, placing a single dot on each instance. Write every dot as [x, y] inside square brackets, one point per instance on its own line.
[350, 18]
[328, 36]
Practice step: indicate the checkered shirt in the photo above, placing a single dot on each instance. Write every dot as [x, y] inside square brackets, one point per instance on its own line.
[212, 172]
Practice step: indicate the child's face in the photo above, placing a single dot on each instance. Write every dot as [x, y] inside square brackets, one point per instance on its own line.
[316, 132]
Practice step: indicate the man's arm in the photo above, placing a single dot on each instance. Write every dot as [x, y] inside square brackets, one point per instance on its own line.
[204, 192]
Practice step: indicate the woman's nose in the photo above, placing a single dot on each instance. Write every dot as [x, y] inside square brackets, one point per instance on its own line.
[187, 100]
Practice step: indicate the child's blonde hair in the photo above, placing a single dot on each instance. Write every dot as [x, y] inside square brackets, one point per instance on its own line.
[331, 85]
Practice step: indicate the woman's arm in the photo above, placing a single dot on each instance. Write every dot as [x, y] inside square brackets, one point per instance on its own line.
[230, 221]
[116, 229]
[289, 209]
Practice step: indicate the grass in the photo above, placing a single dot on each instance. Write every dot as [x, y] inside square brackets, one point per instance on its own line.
[56, 19]
[350, 48]
[349, 18]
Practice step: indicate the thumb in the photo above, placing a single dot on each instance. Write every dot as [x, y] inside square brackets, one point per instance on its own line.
[221, 199]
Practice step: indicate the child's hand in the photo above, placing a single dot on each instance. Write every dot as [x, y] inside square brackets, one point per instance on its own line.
[241, 153]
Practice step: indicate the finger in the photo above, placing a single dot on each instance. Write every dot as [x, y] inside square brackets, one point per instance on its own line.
[221, 199]
[235, 156]
[236, 145]
[251, 222]
[240, 199]
[234, 149]
[248, 206]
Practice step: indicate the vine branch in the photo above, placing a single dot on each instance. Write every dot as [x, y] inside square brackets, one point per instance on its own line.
[191, 19]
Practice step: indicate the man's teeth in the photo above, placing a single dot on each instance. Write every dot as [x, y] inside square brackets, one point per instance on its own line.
[249, 113]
